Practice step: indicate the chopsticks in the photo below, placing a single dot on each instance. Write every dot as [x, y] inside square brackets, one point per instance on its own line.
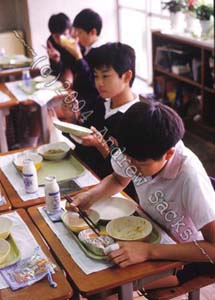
[85, 217]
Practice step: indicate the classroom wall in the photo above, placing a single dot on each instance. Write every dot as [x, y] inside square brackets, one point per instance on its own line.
[39, 12]
[32, 16]
[7, 15]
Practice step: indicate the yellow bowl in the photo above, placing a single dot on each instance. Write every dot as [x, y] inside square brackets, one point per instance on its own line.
[4, 250]
[18, 160]
[129, 228]
[77, 224]
[5, 227]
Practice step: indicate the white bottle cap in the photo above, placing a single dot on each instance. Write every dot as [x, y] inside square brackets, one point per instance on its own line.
[111, 248]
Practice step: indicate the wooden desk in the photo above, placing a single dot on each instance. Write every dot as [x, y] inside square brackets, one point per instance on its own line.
[40, 290]
[17, 73]
[11, 193]
[4, 111]
[7, 205]
[95, 283]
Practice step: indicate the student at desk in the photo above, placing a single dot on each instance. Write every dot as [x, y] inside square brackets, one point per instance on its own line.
[87, 27]
[114, 71]
[61, 61]
[175, 189]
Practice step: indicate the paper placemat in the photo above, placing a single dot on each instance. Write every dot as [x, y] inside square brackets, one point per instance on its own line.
[88, 265]
[4, 97]
[41, 97]
[23, 238]
[9, 170]
[2, 200]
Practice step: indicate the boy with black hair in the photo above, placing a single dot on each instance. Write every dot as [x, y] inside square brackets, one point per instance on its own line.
[114, 72]
[87, 27]
[176, 190]
[61, 61]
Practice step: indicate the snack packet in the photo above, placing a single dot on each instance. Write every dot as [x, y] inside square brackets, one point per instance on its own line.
[27, 271]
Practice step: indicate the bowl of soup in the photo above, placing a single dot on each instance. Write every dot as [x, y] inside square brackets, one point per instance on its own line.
[54, 151]
[129, 228]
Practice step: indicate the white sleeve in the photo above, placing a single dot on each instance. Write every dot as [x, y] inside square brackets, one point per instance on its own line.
[199, 199]
[120, 164]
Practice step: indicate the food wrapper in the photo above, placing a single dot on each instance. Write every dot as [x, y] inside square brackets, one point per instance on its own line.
[27, 271]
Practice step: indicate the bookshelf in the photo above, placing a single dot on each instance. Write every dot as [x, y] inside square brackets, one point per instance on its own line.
[183, 77]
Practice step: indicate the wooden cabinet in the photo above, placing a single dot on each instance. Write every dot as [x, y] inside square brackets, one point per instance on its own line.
[183, 77]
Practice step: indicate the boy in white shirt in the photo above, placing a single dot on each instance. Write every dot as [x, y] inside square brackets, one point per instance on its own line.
[171, 184]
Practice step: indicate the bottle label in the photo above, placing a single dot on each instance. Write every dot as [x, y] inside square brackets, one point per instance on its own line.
[53, 202]
[30, 185]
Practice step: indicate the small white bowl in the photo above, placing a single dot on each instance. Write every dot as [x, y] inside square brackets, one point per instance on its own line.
[73, 221]
[4, 250]
[18, 160]
[54, 151]
[5, 227]
[130, 228]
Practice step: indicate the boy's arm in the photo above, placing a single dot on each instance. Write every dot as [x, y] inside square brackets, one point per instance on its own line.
[96, 140]
[131, 253]
[108, 187]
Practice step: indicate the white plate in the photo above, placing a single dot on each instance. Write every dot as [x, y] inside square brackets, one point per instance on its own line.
[114, 207]
[49, 78]
[72, 128]
[55, 85]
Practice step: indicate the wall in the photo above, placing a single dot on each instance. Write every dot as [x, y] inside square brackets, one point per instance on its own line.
[32, 16]
[7, 15]
[39, 12]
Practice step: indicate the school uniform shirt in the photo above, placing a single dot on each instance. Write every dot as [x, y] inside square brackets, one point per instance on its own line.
[106, 120]
[84, 83]
[180, 197]
[67, 61]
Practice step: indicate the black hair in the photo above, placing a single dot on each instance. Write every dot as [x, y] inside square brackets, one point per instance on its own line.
[87, 19]
[120, 57]
[148, 130]
[59, 23]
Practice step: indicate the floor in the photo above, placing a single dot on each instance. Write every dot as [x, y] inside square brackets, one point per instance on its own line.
[203, 149]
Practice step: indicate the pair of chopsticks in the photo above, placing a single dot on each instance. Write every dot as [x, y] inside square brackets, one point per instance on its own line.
[85, 217]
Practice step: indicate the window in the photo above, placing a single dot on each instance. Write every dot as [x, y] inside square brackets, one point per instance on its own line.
[136, 20]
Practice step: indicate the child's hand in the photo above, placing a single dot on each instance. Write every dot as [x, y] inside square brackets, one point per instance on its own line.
[130, 253]
[74, 49]
[82, 200]
[96, 140]
[53, 53]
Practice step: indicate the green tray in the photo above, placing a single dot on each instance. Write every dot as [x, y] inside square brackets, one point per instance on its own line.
[14, 254]
[64, 169]
[155, 236]
[87, 251]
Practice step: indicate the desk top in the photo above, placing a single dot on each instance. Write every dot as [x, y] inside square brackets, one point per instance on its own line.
[11, 193]
[7, 205]
[103, 280]
[41, 289]
[18, 72]
[13, 196]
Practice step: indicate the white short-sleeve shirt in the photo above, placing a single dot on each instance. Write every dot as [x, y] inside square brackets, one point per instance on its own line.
[180, 197]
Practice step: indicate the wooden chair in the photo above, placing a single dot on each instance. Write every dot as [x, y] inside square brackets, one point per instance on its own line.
[192, 287]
